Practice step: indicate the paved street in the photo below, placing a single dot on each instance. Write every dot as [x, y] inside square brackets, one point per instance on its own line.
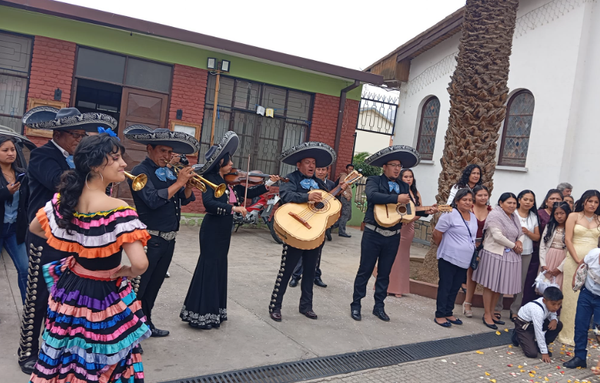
[250, 338]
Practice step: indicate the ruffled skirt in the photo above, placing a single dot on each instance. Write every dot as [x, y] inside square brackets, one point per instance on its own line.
[499, 273]
[93, 328]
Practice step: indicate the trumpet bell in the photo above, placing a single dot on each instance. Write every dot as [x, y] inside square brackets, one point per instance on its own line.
[137, 182]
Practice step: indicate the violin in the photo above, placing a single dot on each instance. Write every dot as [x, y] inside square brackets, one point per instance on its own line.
[255, 177]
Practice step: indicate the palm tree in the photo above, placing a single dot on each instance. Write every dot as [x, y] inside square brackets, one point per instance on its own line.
[478, 94]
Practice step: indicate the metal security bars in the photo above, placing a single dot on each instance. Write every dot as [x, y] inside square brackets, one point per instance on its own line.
[377, 111]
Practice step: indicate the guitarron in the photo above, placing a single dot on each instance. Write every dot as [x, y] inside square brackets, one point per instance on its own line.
[303, 225]
[388, 215]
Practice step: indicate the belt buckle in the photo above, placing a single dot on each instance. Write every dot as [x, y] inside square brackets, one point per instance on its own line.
[169, 236]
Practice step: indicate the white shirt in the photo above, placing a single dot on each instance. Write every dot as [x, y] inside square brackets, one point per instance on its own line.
[536, 314]
[591, 259]
[64, 152]
[530, 222]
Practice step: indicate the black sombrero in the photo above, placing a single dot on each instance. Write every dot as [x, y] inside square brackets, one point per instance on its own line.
[228, 145]
[47, 117]
[323, 154]
[180, 142]
[407, 156]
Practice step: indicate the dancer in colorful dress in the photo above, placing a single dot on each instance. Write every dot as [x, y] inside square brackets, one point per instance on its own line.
[94, 322]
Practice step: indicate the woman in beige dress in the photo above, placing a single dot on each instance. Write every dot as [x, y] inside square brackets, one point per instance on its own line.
[582, 231]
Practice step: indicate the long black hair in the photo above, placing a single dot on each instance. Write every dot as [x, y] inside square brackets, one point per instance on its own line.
[91, 152]
[13, 166]
[463, 182]
[521, 195]
[507, 195]
[550, 192]
[413, 187]
[479, 188]
[581, 201]
[552, 224]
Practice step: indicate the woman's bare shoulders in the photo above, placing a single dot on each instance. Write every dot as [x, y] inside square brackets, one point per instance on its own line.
[105, 203]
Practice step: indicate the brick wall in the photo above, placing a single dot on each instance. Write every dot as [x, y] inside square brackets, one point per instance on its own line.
[188, 94]
[52, 66]
[324, 124]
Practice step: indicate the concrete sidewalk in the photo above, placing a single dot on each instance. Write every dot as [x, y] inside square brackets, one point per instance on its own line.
[250, 338]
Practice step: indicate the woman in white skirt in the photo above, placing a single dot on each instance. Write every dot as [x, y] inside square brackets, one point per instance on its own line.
[499, 270]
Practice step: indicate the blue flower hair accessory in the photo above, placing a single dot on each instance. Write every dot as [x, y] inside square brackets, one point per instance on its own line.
[108, 131]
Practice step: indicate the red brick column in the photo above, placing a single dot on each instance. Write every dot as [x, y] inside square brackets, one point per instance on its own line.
[188, 93]
[52, 66]
[324, 125]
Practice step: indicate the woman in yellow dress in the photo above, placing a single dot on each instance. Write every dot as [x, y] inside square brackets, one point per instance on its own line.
[581, 235]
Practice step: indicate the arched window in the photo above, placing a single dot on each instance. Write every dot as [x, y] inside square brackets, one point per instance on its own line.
[517, 128]
[428, 127]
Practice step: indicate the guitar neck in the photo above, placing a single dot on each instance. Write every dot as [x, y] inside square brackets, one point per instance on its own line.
[423, 208]
[337, 190]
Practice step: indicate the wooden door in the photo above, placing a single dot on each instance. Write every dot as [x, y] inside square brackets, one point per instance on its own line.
[139, 107]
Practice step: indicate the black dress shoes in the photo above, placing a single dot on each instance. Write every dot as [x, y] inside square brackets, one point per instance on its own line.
[158, 333]
[309, 314]
[380, 313]
[319, 282]
[345, 235]
[140, 349]
[328, 235]
[28, 365]
[575, 362]
[276, 315]
[294, 282]
[355, 314]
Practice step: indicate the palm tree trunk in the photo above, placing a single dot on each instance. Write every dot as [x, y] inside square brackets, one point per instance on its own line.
[478, 92]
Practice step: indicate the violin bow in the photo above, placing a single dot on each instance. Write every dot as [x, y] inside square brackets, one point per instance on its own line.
[247, 181]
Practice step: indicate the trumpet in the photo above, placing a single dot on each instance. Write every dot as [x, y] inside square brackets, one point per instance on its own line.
[200, 182]
[137, 182]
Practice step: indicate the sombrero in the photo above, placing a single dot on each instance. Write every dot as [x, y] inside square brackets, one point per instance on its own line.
[47, 117]
[180, 142]
[323, 154]
[407, 156]
[227, 145]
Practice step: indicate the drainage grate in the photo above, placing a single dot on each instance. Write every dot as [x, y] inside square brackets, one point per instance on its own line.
[345, 363]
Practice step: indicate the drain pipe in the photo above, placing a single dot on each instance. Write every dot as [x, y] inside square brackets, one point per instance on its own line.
[340, 121]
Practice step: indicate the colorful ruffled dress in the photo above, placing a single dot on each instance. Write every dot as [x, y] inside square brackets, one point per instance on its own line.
[94, 323]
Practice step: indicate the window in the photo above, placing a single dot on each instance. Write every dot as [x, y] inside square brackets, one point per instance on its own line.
[15, 57]
[517, 128]
[123, 70]
[263, 138]
[428, 128]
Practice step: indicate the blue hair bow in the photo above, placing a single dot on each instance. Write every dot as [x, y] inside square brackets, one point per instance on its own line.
[108, 131]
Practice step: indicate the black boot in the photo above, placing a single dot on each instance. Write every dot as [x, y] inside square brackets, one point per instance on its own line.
[294, 282]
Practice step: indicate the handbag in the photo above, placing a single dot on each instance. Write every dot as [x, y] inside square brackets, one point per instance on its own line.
[475, 257]
[581, 274]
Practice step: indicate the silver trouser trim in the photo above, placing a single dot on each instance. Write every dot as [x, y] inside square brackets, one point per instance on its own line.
[167, 236]
[385, 233]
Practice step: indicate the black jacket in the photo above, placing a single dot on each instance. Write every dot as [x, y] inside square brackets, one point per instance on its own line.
[46, 165]
[155, 209]
[378, 192]
[22, 221]
[221, 206]
[293, 192]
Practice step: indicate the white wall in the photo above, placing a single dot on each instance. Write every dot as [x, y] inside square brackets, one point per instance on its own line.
[370, 142]
[546, 59]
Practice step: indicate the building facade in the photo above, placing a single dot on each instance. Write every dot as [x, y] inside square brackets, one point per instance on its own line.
[551, 129]
[62, 55]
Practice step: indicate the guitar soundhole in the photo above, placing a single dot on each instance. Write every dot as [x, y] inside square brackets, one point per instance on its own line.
[401, 209]
[319, 207]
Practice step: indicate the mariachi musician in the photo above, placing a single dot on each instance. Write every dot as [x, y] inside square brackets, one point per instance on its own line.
[159, 205]
[205, 304]
[380, 244]
[306, 157]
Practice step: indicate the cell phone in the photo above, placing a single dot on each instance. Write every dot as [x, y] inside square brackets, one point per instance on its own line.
[20, 177]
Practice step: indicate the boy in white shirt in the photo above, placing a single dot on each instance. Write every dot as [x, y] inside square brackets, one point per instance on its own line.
[588, 304]
[537, 321]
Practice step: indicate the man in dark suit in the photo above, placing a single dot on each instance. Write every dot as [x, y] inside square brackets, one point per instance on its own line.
[46, 166]
[320, 173]
[380, 244]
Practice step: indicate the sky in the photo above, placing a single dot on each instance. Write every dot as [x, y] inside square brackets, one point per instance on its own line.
[348, 33]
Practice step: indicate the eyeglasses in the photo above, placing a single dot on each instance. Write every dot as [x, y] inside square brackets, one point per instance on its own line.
[394, 165]
[77, 136]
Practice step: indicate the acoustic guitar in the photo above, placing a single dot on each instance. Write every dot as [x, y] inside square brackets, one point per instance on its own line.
[388, 215]
[303, 225]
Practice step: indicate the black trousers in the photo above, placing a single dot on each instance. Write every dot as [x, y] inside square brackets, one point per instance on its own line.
[36, 298]
[526, 337]
[451, 278]
[380, 250]
[289, 259]
[160, 253]
[298, 269]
